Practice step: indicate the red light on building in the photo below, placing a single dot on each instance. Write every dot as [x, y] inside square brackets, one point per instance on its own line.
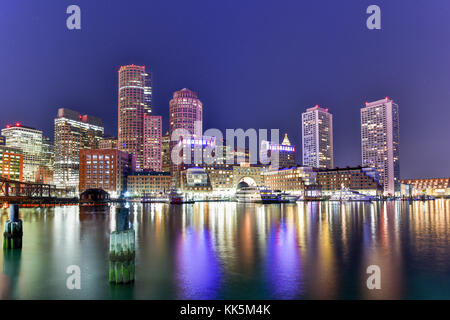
[367, 103]
[316, 106]
[8, 126]
[387, 98]
[17, 124]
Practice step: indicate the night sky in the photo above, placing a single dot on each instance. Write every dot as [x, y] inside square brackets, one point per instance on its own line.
[255, 64]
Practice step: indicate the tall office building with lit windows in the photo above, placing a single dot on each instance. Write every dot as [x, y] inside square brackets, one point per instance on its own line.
[152, 143]
[380, 141]
[73, 132]
[317, 138]
[186, 112]
[135, 96]
[29, 140]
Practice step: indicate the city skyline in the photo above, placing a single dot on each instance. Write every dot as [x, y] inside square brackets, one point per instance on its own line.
[228, 83]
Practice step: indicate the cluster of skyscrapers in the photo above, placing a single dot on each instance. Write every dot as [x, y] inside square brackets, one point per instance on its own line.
[81, 157]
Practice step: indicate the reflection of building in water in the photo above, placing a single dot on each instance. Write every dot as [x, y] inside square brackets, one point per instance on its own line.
[11, 272]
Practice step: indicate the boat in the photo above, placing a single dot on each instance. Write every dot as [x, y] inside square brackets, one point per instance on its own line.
[287, 197]
[350, 195]
[267, 196]
[252, 194]
[248, 195]
[178, 197]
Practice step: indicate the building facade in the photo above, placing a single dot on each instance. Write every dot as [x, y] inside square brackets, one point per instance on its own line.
[363, 180]
[11, 163]
[380, 139]
[108, 143]
[437, 187]
[73, 132]
[292, 180]
[29, 140]
[165, 151]
[317, 138]
[147, 183]
[105, 169]
[135, 96]
[152, 143]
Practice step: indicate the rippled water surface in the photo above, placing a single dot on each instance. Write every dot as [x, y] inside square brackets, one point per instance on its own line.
[313, 250]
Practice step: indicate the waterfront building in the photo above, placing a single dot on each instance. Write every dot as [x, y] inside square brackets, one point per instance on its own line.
[152, 143]
[248, 172]
[148, 183]
[135, 96]
[2, 140]
[364, 180]
[73, 132]
[317, 138]
[437, 187]
[220, 176]
[285, 152]
[105, 169]
[380, 141]
[292, 180]
[29, 140]
[195, 180]
[165, 151]
[11, 163]
[108, 143]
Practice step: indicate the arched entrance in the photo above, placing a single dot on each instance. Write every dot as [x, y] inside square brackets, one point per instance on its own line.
[246, 182]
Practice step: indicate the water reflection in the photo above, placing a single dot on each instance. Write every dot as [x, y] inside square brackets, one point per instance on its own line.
[314, 250]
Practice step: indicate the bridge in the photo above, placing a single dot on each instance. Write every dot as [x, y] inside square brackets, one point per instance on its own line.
[20, 192]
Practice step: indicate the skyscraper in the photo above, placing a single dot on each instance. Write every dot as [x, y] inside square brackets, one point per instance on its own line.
[317, 138]
[73, 132]
[135, 96]
[29, 140]
[165, 144]
[152, 143]
[186, 112]
[380, 141]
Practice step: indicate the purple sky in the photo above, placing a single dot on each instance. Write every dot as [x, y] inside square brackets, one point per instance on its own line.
[255, 64]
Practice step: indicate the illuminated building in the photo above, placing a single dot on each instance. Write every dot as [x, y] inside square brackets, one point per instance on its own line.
[44, 175]
[245, 170]
[285, 152]
[73, 132]
[135, 96]
[186, 112]
[2, 140]
[152, 143]
[380, 141]
[317, 138]
[29, 140]
[292, 180]
[220, 176]
[146, 183]
[108, 143]
[11, 163]
[105, 169]
[363, 180]
[165, 150]
[438, 187]
[195, 179]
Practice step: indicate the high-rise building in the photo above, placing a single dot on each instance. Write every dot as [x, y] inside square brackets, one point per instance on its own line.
[165, 150]
[317, 138]
[152, 143]
[135, 96]
[29, 140]
[11, 163]
[380, 141]
[2, 140]
[284, 151]
[105, 169]
[73, 132]
[186, 112]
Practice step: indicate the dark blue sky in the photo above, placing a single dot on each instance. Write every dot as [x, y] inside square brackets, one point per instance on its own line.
[255, 64]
